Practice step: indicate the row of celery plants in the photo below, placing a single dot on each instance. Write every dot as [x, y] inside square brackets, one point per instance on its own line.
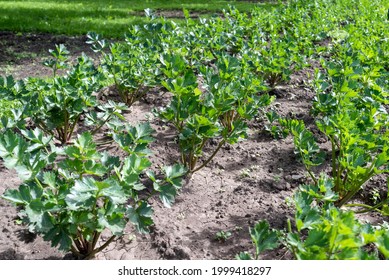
[350, 109]
[70, 191]
[221, 74]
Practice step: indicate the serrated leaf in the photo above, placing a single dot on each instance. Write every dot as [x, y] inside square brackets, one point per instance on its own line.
[82, 195]
[23, 172]
[38, 219]
[13, 196]
[175, 171]
[144, 132]
[167, 194]
[37, 136]
[58, 235]
[85, 142]
[73, 152]
[316, 237]
[110, 161]
[243, 256]
[93, 168]
[133, 166]
[140, 217]
[381, 160]
[113, 191]
[263, 237]
[115, 223]
[308, 219]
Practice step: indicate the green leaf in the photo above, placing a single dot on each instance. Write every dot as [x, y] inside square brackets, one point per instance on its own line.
[383, 242]
[13, 196]
[381, 159]
[109, 161]
[37, 136]
[113, 191]
[140, 217]
[73, 152]
[13, 149]
[167, 194]
[243, 256]
[24, 195]
[59, 235]
[308, 219]
[135, 139]
[151, 175]
[133, 166]
[263, 238]
[143, 132]
[39, 220]
[86, 145]
[175, 174]
[115, 223]
[49, 178]
[82, 195]
[317, 237]
[24, 173]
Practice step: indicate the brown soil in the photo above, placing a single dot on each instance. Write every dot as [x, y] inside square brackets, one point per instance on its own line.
[244, 183]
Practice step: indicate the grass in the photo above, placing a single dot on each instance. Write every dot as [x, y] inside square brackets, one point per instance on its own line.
[110, 18]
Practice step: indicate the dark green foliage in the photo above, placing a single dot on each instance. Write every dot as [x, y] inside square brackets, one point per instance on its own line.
[71, 199]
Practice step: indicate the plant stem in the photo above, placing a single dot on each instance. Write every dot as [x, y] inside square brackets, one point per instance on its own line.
[78, 245]
[354, 189]
[95, 239]
[368, 208]
[76, 252]
[333, 161]
[73, 127]
[41, 126]
[66, 126]
[104, 143]
[101, 248]
[311, 175]
[103, 123]
[211, 157]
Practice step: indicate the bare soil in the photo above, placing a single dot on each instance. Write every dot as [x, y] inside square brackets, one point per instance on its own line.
[244, 183]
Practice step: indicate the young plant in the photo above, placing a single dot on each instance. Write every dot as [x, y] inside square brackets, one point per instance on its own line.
[322, 230]
[71, 195]
[221, 111]
[274, 60]
[56, 105]
[305, 145]
[130, 66]
[106, 114]
[59, 58]
[263, 238]
[352, 116]
[222, 236]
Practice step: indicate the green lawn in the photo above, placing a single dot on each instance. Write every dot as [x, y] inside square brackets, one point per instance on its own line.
[109, 18]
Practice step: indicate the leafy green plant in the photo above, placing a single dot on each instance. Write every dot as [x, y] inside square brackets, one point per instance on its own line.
[129, 66]
[59, 58]
[305, 145]
[56, 105]
[71, 195]
[263, 238]
[322, 230]
[352, 115]
[274, 60]
[221, 111]
[355, 121]
[108, 114]
[222, 236]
